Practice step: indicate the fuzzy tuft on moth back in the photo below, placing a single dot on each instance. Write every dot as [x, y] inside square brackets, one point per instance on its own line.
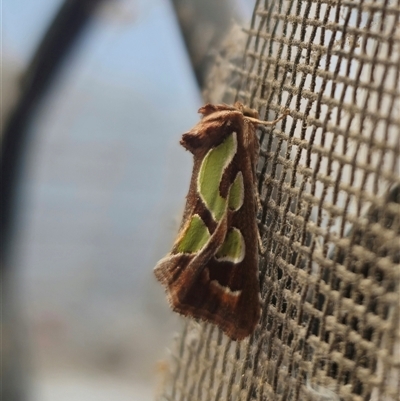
[247, 111]
[209, 108]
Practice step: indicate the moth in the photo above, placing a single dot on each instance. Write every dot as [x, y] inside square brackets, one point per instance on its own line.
[211, 272]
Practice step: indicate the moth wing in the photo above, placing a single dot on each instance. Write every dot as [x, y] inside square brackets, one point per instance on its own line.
[229, 281]
[206, 281]
[179, 272]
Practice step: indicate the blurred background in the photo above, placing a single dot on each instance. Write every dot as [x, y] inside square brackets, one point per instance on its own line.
[98, 183]
[100, 188]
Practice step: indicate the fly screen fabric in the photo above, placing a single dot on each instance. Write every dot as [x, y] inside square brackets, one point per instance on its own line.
[329, 185]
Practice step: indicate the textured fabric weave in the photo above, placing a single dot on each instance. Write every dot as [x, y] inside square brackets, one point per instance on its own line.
[329, 183]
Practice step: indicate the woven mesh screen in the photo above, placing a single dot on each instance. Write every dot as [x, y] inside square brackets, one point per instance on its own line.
[330, 188]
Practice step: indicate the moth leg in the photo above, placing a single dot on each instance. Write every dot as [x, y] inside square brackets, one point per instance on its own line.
[260, 244]
[258, 200]
[258, 207]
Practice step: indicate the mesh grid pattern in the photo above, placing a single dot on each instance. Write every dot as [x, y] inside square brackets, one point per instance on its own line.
[330, 188]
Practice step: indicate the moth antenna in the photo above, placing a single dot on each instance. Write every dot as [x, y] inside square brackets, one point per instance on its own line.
[273, 122]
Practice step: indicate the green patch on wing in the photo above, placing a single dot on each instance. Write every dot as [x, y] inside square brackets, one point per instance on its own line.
[195, 237]
[233, 248]
[211, 170]
[236, 194]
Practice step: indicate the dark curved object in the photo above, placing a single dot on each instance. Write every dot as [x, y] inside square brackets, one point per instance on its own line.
[55, 46]
[63, 32]
[203, 25]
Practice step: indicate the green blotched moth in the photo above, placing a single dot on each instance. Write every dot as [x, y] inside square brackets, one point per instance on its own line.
[211, 272]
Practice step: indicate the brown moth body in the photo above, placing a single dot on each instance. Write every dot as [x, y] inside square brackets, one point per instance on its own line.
[211, 272]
